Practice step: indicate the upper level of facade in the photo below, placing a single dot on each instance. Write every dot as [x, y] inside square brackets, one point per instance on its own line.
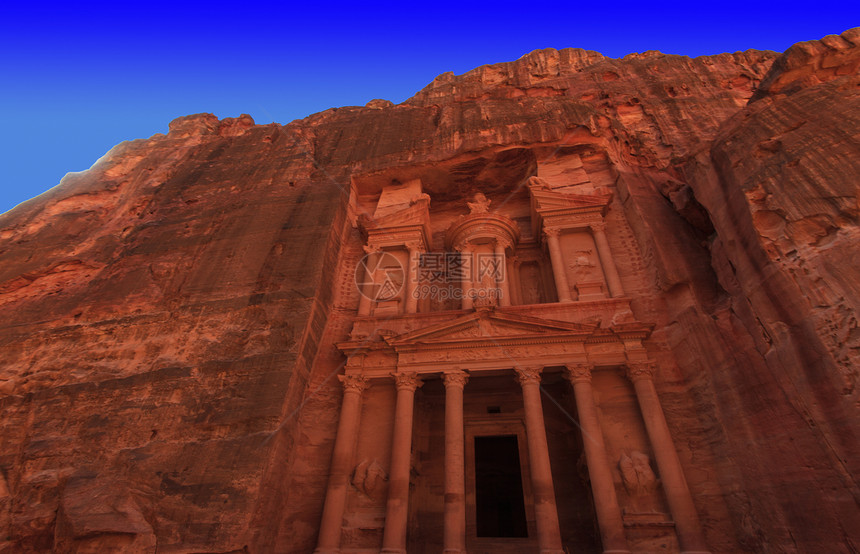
[538, 241]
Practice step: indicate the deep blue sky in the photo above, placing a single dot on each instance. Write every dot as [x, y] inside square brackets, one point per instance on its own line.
[77, 79]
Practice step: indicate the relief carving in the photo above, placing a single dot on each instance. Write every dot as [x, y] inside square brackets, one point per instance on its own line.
[530, 283]
[480, 204]
[369, 476]
[639, 479]
[583, 269]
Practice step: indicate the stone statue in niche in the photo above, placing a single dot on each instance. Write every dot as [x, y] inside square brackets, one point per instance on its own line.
[368, 476]
[587, 276]
[530, 283]
[531, 292]
[479, 205]
[639, 479]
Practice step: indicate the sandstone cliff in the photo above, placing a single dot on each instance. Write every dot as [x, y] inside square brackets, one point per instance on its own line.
[165, 315]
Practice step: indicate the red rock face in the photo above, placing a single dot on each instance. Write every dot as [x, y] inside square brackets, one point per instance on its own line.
[169, 317]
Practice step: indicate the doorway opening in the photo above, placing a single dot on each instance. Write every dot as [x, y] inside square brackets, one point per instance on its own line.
[499, 503]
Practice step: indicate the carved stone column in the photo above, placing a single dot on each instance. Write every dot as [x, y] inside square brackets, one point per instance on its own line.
[454, 539]
[341, 464]
[606, 260]
[412, 278]
[546, 513]
[468, 283]
[558, 268]
[599, 470]
[678, 495]
[397, 508]
[502, 283]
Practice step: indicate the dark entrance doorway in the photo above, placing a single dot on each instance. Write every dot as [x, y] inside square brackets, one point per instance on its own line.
[500, 508]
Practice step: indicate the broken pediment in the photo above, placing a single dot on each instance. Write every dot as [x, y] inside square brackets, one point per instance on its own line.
[415, 213]
[564, 210]
[544, 200]
[397, 196]
[402, 216]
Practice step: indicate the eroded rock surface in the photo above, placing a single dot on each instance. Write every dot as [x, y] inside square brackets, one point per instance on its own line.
[168, 318]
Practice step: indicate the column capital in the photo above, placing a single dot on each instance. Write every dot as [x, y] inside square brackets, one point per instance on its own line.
[372, 249]
[455, 378]
[579, 373]
[597, 226]
[413, 246]
[528, 375]
[408, 381]
[354, 383]
[551, 231]
[637, 371]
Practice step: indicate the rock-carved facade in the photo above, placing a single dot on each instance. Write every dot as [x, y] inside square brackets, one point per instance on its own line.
[566, 302]
[490, 318]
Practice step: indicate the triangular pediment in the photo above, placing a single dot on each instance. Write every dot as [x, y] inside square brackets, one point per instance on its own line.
[483, 326]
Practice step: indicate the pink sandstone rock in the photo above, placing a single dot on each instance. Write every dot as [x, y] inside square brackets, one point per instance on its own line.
[171, 317]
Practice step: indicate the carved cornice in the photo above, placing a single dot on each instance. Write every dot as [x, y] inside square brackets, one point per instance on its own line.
[550, 201]
[455, 378]
[378, 239]
[579, 373]
[573, 221]
[407, 381]
[637, 371]
[528, 375]
[353, 383]
[632, 330]
[356, 358]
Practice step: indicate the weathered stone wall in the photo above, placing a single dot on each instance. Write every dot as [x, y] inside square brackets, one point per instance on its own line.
[158, 311]
[780, 185]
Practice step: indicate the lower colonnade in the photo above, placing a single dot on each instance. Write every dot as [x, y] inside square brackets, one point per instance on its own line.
[548, 534]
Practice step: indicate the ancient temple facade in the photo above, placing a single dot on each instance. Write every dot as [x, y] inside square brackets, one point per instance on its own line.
[564, 303]
[498, 378]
